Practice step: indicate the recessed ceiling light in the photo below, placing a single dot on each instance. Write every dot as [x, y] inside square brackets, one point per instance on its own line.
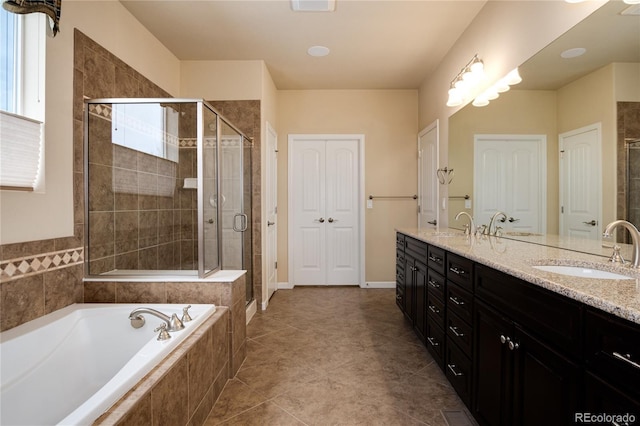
[313, 5]
[318, 51]
[573, 53]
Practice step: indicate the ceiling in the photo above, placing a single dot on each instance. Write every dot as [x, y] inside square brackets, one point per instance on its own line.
[374, 44]
[607, 35]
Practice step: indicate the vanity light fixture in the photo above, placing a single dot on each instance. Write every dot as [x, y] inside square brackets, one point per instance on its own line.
[467, 78]
[632, 1]
[501, 86]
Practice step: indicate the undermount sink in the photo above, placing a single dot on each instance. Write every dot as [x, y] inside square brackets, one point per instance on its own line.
[582, 272]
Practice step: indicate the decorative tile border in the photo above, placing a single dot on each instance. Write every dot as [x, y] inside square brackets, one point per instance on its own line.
[31, 265]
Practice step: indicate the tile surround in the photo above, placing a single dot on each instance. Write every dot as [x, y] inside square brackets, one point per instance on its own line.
[33, 281]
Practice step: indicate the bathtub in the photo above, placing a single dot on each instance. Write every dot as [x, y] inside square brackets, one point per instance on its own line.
[70, 366]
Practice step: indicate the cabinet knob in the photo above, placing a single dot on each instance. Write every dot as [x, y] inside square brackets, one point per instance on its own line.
[504, 339]
[513, 345]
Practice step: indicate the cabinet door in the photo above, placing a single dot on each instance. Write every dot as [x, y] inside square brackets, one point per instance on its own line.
[409, 275]
[546, 384]
[600, 397]
[420, 283]
[492, 366]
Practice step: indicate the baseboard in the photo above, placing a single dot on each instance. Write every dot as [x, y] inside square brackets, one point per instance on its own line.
[285, 286]
[264, 305]
[251, 310]
[379, 284]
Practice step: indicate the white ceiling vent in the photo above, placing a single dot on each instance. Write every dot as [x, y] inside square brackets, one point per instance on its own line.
[313, 5]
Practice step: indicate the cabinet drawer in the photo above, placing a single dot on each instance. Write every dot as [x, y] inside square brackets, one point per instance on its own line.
[554, 318]
[436, 259]
[612, 350]
[459, 302]
[415, 248]
[435, 343]
[458, 371]
[399, 276]
[435, 284]
[400, 239]
[435, 310]
[460, 271]
[460, 333]
[400, 259]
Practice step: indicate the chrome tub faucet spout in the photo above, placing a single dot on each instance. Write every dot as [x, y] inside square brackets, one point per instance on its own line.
[137, 320]
[635, 238]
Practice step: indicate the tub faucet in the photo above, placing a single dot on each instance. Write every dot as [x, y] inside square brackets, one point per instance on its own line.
[472, 226]
[493, 218]
[635, 238]
[137, 320]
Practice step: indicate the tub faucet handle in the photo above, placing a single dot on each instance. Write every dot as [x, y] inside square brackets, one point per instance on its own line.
[185, 314]
[164, 334]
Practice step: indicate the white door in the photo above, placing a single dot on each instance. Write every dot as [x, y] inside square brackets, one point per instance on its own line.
[580, 187]
[510, 176]
[427, 181]
[272, 212]
[324, 189]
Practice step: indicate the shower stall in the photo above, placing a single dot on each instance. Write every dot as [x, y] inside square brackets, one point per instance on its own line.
[167, 189]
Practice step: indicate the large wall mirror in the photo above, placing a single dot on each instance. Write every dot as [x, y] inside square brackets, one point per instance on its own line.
[559, 141]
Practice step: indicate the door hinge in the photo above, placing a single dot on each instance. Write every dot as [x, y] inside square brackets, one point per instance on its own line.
[275, 265]
[419, 209]
[562, 154]
[561, 209]
[275, 209]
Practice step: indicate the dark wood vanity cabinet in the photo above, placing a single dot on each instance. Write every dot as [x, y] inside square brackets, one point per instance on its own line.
[518, 379]
[524, 373]
[516, 353]
[414, 292]
[612, 363]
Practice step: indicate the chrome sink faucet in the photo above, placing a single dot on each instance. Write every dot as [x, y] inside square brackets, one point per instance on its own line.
[493, 218]
[137, 320]
[635, 238]
[472, 226]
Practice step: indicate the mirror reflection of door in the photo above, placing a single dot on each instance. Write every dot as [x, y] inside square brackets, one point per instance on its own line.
[427, 181]
[510, 176]
[580, 187]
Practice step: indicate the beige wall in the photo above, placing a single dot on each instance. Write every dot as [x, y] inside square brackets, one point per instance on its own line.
[389, 121]
[504, 34]
[590, 100]
[28, 216]
[522, 112]
[627, 82]
[221, 80]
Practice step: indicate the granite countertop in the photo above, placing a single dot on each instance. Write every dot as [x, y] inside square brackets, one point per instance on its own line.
[517, 258]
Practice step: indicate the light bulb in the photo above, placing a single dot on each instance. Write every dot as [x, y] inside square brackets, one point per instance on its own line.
[513, 77]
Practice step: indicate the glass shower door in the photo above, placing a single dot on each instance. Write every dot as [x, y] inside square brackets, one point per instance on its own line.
[235, 202]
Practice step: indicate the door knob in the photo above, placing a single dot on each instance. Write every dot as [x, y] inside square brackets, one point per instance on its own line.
[592, 223]
[321, 220]
[331, 220]
[511, 219]
[432, 222]
[269, 223]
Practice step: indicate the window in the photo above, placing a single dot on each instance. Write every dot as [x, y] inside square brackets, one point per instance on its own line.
[22, 78]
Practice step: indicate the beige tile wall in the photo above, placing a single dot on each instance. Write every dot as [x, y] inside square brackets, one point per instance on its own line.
[183, 388]
[628, 121]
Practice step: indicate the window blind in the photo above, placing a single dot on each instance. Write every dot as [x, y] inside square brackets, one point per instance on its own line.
[20, 152]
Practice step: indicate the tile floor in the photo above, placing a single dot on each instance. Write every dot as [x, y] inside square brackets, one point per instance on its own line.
[334, 356]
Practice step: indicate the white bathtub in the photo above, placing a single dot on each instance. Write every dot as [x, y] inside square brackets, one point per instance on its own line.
[70, 366]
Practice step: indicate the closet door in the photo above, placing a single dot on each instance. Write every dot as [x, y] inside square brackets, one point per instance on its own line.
[324, 245]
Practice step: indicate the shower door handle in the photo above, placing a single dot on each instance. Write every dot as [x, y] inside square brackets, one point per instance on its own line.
[243, 222]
